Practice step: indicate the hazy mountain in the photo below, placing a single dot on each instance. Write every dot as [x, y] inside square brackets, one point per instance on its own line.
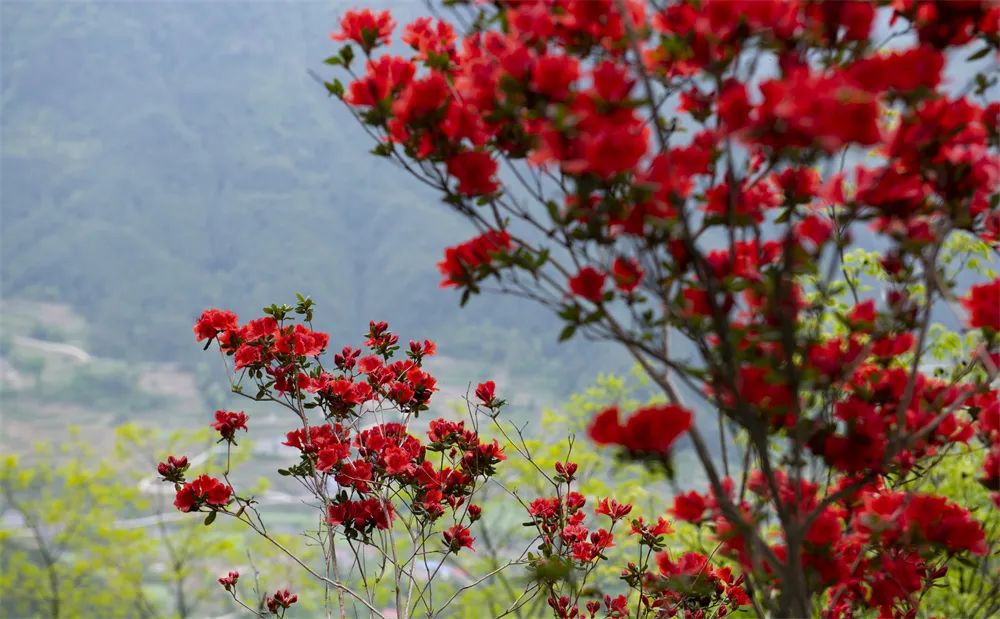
[159, 158]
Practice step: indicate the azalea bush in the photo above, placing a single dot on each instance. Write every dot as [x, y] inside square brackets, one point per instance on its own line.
[396, 504]
[769, 205]
[402, 506]
[687, 180]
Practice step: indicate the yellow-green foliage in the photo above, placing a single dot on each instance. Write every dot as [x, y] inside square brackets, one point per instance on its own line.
[80, 539]
[66, 557]
[972, 585]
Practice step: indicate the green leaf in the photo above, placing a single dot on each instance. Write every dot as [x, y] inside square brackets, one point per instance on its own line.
[567, 332]
[335, 88]
[347, 55]
[210, 518]
[980, 54]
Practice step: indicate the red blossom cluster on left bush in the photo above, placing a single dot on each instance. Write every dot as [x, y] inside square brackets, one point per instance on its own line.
[363, 468]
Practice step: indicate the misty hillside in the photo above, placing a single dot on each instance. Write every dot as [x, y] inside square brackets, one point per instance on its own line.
[160, 158]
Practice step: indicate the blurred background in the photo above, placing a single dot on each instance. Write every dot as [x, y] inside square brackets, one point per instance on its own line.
[159, 158]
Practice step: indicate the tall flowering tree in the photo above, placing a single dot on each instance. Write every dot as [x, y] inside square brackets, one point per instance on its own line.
[682, 179]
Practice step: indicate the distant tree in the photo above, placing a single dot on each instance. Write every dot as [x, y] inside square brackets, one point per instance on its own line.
[81, 538]
[62, 556]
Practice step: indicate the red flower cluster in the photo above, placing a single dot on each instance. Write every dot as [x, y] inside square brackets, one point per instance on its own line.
[280, 601]
[943, 24]
[457, 537]
[469, 262]
[203, 491]
[691, 582]
[988, 431]
[173, 469]
[888, 518]
[361, 516]
[983, 305]
[864, 547]
[366, 28]
[228, 422]
[691, 575]
[475, 171]
[374, 466]
[213, 322]
[387, 454]
[560, 522]
[588, 284]
[229, 581]
[648, 431]
[804, 110]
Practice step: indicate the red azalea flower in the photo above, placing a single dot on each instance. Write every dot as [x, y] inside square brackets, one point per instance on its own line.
[486, 392]
[331, 455]
[650, 430]
[173, 469]
[553, 75]
[901, 71]
[203, 490]
[475, 171]
[429, 37]
[383, 78]
[301, 341]
[457, 537]
[589, 284]
[418, 351]
[816, 229]
[734, 106]
[259, 328]
[417, 100]
[282, 598]
[475, 513]
[567, 470]
[605, 429]
[229, 581]
[689, 506]
[991, 470]
[213, 322]
[247, 356]
[627, 273]
[863, 314]
[983, 305]
[228, 422]
[461, 262]
[613, 509]
[366, 28]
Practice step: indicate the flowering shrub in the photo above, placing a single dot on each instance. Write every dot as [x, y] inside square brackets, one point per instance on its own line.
[357, 456]
[675, 179]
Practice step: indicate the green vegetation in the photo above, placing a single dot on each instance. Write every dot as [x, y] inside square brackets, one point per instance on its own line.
[82, 537]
